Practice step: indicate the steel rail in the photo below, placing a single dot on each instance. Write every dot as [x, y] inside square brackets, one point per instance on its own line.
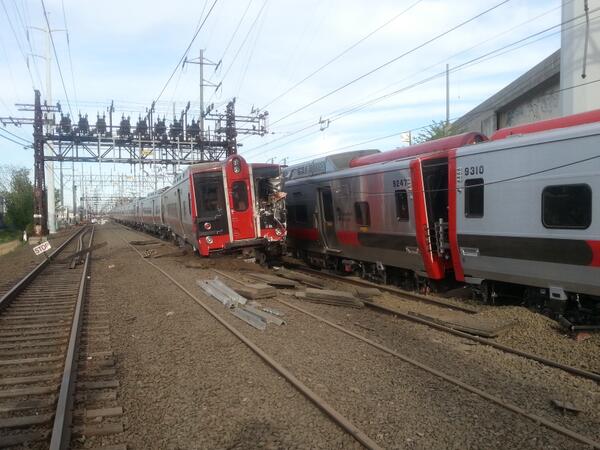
[505, 348]
[393, 290]
[61, 429]
[333, 414]
[453, 380]
[24, 282]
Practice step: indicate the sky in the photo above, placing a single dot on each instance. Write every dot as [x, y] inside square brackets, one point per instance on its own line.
[125, 51]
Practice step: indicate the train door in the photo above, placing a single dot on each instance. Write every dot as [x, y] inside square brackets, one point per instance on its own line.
[326, 218]
[430, 196]
[180, 212]
[242, 211]
[211, 214]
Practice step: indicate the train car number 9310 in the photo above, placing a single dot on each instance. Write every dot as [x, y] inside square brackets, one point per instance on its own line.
[474, 170]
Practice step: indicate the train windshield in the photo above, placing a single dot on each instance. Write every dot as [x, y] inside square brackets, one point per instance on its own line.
[210, 198]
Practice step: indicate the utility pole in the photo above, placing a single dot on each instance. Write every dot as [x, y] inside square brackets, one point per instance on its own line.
[202, 61]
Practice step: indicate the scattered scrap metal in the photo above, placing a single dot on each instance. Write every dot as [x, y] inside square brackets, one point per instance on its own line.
[253, 314]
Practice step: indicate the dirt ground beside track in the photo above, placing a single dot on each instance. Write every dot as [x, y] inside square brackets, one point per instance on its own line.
[17, 263]
[187, 383]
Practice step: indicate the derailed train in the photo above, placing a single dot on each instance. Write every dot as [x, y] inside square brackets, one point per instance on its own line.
[513, 215]
[216, 206]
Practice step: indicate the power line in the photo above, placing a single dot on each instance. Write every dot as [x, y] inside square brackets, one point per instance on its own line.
[25, 26]
[69, 50]
[339, 55]
[12, 140]
[16, 36]
[186, 50]
[15, 135]
[243, 78]
[62, 80]
[244, 40]
[557, 91]
[477, 60]
[391, 61]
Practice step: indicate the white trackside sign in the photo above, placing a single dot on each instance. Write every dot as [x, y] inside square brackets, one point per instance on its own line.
[42, 248]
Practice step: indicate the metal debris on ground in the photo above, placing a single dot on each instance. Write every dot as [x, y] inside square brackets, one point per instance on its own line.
[220, 291]
[267, 317]
[148, 253]
[329, 297]
[366, 293]
[273, 311]
[249, 317]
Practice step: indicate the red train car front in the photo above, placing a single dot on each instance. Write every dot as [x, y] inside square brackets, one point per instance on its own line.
[238, 205]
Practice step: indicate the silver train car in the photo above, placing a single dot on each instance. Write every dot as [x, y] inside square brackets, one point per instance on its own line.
[511, 216]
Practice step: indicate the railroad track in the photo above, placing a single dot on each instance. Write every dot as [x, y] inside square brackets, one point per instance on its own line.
[41, 319]
[448, 329]
[432, 300]
[329, 410]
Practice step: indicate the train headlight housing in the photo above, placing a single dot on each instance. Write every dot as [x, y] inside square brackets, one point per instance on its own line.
[278, 231]
[209, 240]
[207, 226]
[237, 165]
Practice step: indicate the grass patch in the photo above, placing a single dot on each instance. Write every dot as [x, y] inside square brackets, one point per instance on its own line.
[9, 235]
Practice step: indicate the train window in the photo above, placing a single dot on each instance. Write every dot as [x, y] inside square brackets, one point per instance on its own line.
[209, 196]
[327, 199]
[362, 214]
[474, 197]
[402, 205]
[239, 193]
[299, 213]
[567, 206]
[189, 203]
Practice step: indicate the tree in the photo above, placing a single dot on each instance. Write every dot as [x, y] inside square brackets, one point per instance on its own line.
[435, 131]
[19, 200]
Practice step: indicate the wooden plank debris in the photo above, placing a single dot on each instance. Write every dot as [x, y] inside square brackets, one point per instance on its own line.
[277, 282]
[254, 291]
[300, 277]
[366, 293]
[566, 406]
[329, 297]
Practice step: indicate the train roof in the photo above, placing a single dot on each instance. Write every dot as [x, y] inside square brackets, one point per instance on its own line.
[327, 164]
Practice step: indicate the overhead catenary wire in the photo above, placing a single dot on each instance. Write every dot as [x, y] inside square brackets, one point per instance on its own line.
[25, 25]
[398, 133]
[251, 52]
[393, 60]
[19, 45]
[477, 60]
[21, 144]
[60, 73]
[260, 11]
[339, 55]
[197, 32]
[69, 51]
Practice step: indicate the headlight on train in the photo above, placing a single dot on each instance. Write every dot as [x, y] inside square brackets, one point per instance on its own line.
[209, 240]
[207, 226]
[278, 231]
[237, 165]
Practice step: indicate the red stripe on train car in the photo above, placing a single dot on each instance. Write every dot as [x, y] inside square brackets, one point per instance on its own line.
[348, 237]
[595, 247]
[305, 234]
[550, 124]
